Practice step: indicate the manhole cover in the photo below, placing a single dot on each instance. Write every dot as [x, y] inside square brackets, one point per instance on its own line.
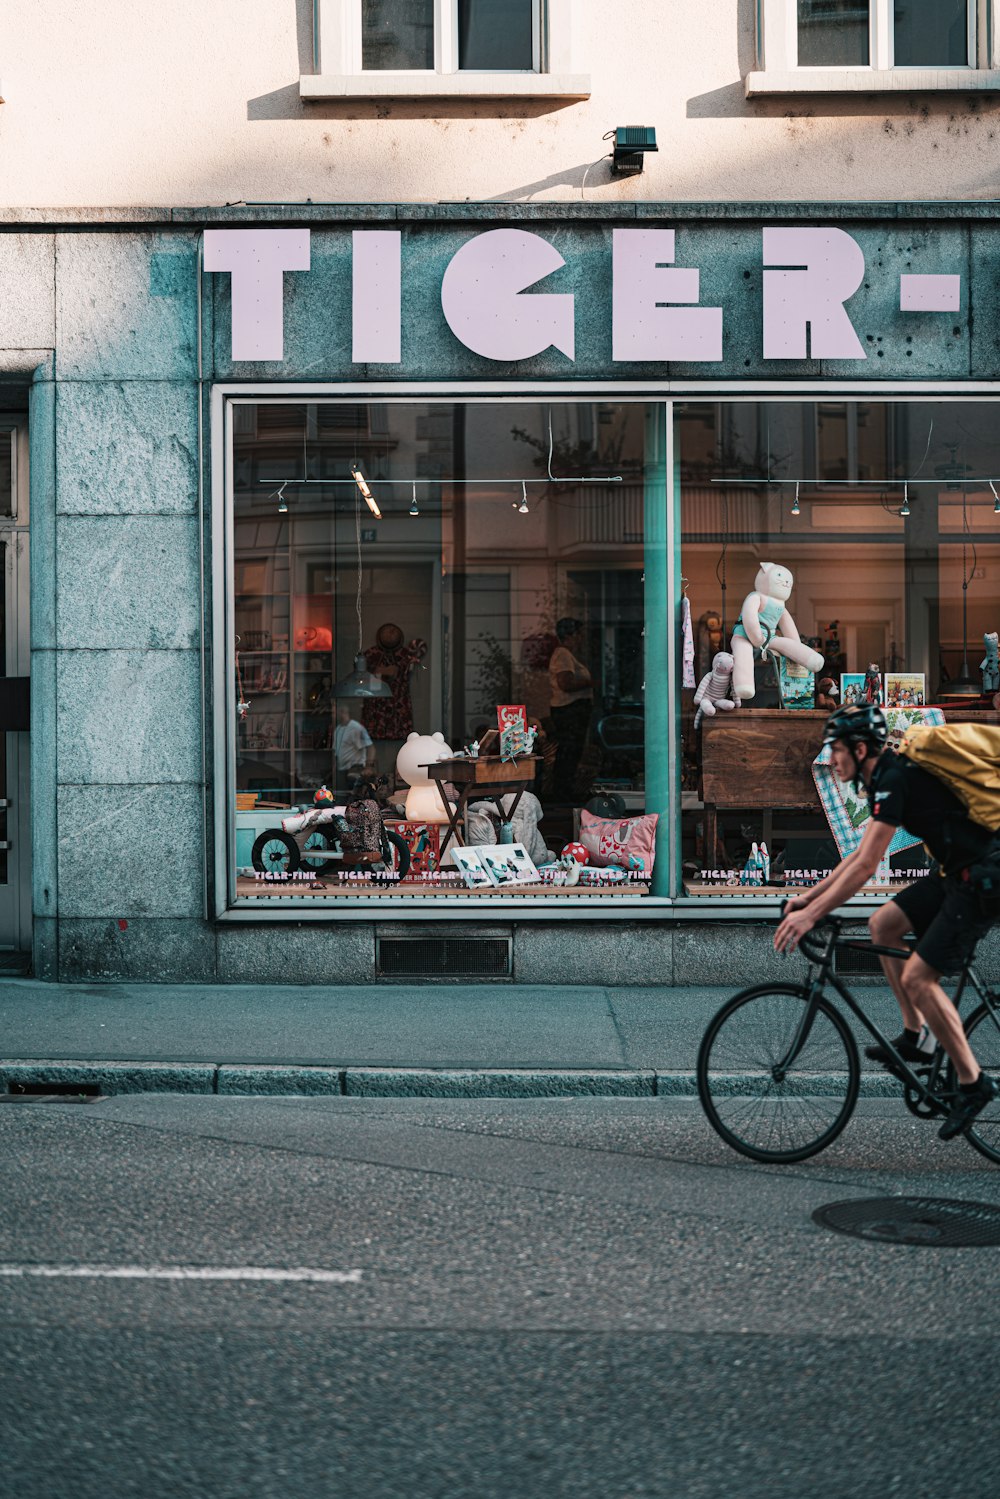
[944, 1222]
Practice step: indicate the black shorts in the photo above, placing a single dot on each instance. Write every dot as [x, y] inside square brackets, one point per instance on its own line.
[947, 920]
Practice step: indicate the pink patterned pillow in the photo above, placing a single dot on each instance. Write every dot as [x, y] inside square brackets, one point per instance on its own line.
[613, 841]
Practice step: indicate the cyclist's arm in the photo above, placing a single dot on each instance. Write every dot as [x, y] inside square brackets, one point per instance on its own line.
[846, 880]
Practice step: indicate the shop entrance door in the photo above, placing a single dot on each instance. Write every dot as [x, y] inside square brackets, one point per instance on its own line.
[15, 836]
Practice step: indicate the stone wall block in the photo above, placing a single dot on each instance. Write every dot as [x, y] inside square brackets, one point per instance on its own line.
[128, 582]
[129, 717]
[162, 951]
[27, 310]
[126, 448]
[740, 954]
[126, 306]
[296, 953]
[42, 507]
[130, 851]
[611, 952]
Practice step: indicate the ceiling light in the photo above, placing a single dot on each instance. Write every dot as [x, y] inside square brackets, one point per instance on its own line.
[362, 484]
[361, 682]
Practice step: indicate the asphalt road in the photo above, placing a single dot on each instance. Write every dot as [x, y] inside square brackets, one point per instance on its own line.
[561, 1297]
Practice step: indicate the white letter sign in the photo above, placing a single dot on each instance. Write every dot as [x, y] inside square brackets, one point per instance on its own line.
[257, 259]
[643, 323]
[833, 269]
[377, 306]
[480, 295]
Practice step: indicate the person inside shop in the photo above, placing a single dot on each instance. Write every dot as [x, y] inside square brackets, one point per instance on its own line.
[572, 690]
[942, 908]
[353, 749]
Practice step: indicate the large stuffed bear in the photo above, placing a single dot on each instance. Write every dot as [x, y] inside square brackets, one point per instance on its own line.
[423, 804]
[766, 628]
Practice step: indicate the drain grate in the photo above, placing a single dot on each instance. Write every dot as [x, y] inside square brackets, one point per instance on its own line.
[937, 1222]
[444, 957]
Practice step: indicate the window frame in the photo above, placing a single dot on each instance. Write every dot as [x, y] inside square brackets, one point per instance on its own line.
[779, 70]
[339, 73]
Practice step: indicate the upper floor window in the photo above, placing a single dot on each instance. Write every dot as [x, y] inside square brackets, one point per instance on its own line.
[442, 48]
[865, 45]
[451, 35]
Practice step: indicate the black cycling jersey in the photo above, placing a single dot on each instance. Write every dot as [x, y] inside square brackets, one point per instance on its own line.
[905, 795]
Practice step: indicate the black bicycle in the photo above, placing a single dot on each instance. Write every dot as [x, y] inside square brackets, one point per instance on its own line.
[779, 1070]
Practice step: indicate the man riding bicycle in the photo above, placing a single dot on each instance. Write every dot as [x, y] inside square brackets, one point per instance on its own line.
[942, 909]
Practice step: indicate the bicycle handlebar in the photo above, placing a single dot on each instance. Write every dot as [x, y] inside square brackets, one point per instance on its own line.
[817, 944]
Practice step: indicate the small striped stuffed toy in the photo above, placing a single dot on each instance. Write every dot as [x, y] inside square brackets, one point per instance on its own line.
[714, 687]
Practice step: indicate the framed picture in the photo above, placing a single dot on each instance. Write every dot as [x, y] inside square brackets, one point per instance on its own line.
[509, 864]
[905, 689]
[471, 867]
[852, 689]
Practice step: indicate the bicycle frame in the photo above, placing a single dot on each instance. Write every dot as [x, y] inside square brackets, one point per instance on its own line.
[824, 975]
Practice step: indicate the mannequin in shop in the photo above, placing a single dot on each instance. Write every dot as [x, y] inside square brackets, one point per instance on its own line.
[394, 660]
[765, 627]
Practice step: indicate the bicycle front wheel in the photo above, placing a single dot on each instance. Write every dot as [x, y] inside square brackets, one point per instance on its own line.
[762, 1112]
[982, 1030]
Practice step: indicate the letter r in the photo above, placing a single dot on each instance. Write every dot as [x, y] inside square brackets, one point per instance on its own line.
[830, 268]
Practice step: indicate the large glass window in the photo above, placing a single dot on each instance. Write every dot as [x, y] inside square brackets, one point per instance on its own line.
[497, 37]
[930, 33]
[833, 33]
[473, 572]
[884, 516]
[397, 34]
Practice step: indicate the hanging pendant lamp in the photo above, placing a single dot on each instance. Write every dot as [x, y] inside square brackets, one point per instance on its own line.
[360, 682]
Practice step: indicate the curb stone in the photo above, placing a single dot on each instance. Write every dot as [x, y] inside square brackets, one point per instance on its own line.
[235, 1080]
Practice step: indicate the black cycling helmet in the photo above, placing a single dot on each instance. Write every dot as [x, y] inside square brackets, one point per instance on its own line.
[859, 724]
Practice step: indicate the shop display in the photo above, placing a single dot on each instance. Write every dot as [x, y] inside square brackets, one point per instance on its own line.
[766, 627]
[827, 694]
[577, 852]
[512, 819]
[904, 689]
[423, 801]
[873, 686]
[990, 664]
[511, 713]
[496, 866]
[714, 689]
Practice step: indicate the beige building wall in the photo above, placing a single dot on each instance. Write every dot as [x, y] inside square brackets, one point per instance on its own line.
[197, 102]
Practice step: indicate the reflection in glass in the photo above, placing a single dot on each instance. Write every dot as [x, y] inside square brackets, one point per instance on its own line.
[930, 33]
[495, 35]
[833, 33]
[397, 34]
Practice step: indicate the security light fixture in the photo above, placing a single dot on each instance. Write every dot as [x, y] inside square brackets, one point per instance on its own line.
[362, 484]
[631, 144]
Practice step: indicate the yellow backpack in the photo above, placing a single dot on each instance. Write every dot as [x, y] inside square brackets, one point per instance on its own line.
[966, 757]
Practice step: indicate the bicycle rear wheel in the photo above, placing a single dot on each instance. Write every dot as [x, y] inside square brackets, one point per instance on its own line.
[760, 1113]
[983, 1033]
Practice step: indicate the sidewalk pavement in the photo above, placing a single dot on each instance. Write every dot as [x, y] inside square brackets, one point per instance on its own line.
[471, 1040]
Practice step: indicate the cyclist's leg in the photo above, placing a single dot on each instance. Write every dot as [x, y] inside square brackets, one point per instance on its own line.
[913, 909]
[945, 947]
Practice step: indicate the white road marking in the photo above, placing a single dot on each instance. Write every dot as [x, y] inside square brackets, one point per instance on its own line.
[179, 1272]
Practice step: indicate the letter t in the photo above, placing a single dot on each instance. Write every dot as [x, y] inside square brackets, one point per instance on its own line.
[257, 259]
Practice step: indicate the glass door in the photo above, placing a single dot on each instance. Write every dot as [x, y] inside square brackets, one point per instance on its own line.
[15, 837]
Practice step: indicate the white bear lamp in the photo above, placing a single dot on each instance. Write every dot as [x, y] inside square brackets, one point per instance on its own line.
[766, 627]
[423, 804]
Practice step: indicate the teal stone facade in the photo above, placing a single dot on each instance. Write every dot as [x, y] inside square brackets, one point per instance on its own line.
[121, 337]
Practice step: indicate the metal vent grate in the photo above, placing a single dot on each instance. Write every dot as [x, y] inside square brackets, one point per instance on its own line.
[940, 1222]
[851, 960]
[444, 957]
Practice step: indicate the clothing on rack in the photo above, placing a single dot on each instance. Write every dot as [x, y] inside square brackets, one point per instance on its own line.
[688, 678]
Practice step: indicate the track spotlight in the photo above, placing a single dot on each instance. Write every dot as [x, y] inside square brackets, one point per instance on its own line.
[904, 509]
[282, 502]
[362, 484]
[795, 502]
[522, 509]
[414, 510]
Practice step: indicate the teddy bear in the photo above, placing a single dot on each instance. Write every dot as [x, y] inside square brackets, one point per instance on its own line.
[827, 693]
[990, 664]
[766, 627]
[713, 689]
[423, 804]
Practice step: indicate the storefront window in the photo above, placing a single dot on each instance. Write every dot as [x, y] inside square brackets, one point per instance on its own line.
[885, 518]
[469, 574]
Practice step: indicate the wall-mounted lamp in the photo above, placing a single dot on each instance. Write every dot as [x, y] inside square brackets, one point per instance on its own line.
[795, 502]
[362, 484]
[413, 503]
[631, 144]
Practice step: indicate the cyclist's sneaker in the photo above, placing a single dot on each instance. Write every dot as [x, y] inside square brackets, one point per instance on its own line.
[968, 1103]
[917, 1053]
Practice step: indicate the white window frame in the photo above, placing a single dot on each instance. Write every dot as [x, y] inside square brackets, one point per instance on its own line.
[340, 74]
[779, 71]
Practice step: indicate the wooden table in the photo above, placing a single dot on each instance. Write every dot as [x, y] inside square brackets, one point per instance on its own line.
[488, 777]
